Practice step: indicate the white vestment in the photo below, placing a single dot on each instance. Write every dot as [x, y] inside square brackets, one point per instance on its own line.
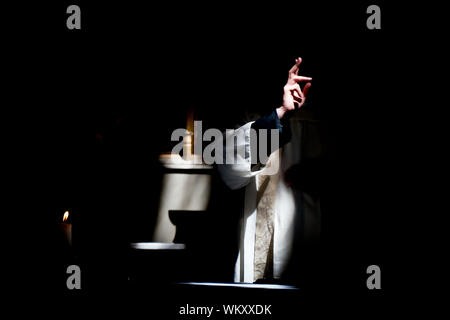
[239, 175]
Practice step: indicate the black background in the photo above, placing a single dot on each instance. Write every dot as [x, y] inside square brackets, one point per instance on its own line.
[146, 64]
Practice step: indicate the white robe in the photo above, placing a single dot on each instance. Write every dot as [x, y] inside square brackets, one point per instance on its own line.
[239, 175]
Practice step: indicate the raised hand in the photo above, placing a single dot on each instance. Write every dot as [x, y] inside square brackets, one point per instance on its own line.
[294, 97]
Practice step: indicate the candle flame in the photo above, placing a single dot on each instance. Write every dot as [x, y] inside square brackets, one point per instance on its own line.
[66, 216]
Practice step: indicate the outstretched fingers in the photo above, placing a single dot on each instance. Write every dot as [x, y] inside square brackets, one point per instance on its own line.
[301, 78]
[294, 94]
[296, 67]
[293, 73]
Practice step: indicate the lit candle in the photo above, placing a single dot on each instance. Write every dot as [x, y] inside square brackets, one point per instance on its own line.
[66, 227]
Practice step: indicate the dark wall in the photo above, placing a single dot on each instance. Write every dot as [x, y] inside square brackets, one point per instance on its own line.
[100, 104]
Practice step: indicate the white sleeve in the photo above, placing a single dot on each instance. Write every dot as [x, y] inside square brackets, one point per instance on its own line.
[236, 171]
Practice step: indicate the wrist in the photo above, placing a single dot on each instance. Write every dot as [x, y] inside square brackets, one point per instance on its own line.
[280, 112]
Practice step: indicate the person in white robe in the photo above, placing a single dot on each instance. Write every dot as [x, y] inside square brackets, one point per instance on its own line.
[267, 224]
